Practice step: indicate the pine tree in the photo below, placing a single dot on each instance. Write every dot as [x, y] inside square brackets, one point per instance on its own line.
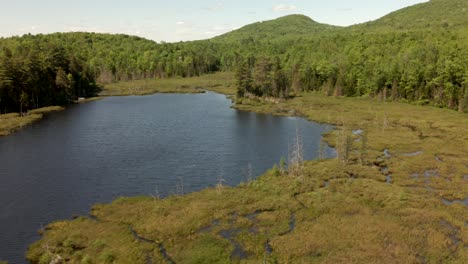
[244, 79]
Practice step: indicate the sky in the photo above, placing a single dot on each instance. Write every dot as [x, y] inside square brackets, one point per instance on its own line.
[178, 20]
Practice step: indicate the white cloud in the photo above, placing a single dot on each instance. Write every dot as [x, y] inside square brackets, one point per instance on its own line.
[284, 8]
[180, 23]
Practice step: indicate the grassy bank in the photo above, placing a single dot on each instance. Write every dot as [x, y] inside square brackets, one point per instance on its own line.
[12, 122]
[221, 82]
[396, 194]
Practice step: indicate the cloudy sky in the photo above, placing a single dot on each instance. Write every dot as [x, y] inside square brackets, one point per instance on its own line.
[176, 20]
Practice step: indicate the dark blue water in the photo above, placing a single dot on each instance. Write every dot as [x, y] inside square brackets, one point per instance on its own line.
[125, 146]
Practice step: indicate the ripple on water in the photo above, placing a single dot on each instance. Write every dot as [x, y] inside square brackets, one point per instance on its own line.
[173, 144]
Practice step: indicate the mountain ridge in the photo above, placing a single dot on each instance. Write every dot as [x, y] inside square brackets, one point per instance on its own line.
[417, 61]
[291, 25]
[434, 14]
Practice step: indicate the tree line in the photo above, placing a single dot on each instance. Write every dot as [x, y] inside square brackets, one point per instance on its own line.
[36, 74]
[405, 66]
[425, 66]
[56, 69]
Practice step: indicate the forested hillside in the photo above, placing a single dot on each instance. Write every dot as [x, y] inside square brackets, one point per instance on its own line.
[433, 15]
[417, 54]
[37, 73]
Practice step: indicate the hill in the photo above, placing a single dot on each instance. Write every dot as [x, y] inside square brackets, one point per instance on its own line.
[291, 26]
[432, 15]
[415, 54]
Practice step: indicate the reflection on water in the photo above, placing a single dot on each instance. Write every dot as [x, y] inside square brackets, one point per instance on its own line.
[126, 146]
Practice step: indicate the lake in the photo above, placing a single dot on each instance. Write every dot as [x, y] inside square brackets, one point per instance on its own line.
[160, 144]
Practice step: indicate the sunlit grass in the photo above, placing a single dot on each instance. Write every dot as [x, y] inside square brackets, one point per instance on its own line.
[356, 217]
[221, 82]
[13, 121]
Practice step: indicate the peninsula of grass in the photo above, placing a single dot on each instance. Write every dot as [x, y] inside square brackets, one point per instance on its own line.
[221, 82]
[13, 121]
[397, 193]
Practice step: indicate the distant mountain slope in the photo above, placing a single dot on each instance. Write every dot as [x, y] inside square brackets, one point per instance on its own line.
[435, 14]
[287, 26]
[419, 52]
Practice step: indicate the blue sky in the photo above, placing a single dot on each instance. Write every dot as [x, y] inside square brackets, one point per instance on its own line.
[177, 20]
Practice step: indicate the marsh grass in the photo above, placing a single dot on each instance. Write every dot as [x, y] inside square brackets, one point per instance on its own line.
[355, 218]
[13, 121]
[219, 82]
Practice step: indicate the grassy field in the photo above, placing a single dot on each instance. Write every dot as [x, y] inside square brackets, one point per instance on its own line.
[397, 193]
[12, 122]
[220, 82]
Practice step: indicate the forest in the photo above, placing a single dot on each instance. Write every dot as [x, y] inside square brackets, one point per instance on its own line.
[418, 54]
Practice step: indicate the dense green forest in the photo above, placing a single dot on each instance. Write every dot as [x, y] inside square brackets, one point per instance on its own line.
[417, 54]
[36, 74]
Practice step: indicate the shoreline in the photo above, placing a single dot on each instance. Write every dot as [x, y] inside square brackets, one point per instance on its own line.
[12, 122]
[370, 186]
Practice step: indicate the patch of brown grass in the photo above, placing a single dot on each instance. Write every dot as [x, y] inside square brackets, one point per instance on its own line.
[357, 218]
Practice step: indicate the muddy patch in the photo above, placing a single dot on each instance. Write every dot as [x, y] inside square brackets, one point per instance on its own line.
[388, 179]
[326, 183]
[268, 248]
[160, 246]
[253, 218]
[292, 225]
[388, 176]
[426, 174]
[450, 202]
[384, 170]
[358, 132]
[233, 219]
[413, 154]
[210, 227]
[229, 234]
[386, 153]
[453, 234]
[431, 173]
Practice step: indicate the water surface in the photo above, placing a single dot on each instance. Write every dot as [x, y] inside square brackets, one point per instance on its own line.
[125, 146]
